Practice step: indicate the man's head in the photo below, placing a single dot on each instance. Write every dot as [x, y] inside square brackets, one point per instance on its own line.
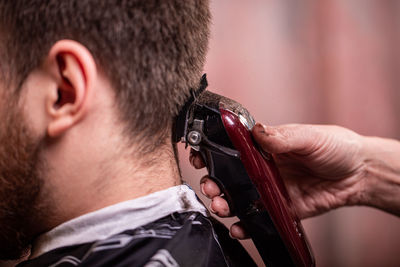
[68, 68]
[152, 51]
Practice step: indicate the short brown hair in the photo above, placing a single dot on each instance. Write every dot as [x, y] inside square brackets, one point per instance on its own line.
[152, 51]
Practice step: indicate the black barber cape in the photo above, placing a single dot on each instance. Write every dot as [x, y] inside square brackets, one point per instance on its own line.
[180, 239]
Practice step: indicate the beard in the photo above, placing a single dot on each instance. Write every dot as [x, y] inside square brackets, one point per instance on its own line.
[20, 183]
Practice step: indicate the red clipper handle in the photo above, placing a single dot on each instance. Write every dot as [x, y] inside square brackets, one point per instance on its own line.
[275, 199]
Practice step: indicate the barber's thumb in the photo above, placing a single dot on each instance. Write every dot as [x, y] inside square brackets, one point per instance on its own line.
[271, 139]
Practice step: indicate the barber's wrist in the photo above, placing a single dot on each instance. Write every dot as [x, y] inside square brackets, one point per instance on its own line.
[380, 184]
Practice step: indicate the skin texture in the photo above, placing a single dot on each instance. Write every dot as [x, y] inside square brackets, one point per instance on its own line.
[324, 167]
[63, 152]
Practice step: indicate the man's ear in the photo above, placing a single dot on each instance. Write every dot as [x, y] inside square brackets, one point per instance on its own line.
[75, 71]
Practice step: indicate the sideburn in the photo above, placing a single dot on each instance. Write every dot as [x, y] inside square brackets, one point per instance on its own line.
[20, 183]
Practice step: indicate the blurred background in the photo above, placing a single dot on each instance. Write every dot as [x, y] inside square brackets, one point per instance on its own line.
[320, 62]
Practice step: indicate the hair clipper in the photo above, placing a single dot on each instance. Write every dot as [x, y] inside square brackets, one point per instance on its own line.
[220, 129]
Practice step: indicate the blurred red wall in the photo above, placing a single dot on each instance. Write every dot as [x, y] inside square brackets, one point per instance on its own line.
[325, 62]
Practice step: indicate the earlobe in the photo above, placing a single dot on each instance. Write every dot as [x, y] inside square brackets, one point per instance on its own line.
[76, 71]
[57, 127]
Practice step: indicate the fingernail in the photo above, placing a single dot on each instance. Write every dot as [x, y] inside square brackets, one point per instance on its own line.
[197, 161]
[260, 127]
[210, 208]
[202, 188]
[191, 159]
[264, 127]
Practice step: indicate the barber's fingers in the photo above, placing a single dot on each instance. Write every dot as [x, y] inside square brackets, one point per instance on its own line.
[196, 159]
[285, 138]
[237, 231]
[209, 188]
[220, 207]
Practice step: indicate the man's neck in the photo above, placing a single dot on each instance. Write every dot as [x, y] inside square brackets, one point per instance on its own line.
[118, 218]
[95, 181]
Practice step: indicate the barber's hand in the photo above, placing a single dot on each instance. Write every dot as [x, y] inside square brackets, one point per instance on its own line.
[322, 167]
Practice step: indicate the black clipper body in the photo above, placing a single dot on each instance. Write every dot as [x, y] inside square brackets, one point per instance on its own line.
[220, 129]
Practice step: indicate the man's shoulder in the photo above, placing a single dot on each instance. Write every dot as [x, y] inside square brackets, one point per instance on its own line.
[179, 239]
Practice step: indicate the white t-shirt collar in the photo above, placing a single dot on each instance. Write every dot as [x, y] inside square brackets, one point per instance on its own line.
[117, 218]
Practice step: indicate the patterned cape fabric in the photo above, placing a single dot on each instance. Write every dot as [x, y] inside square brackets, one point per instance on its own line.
[179, 239]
